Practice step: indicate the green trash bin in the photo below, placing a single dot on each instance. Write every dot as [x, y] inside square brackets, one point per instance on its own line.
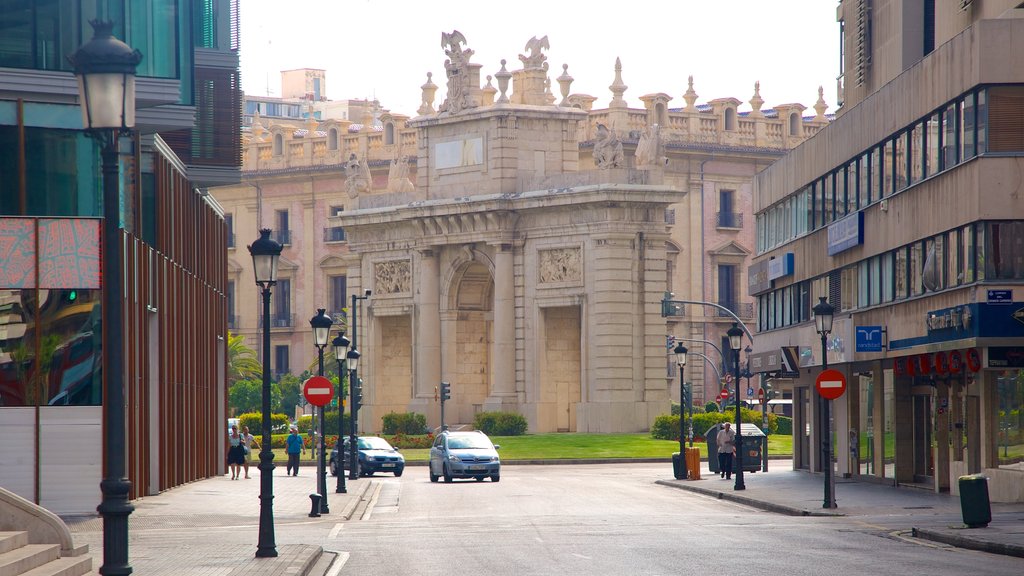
[974, 503]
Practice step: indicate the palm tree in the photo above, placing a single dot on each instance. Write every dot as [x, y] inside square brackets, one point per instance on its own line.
[242, 362]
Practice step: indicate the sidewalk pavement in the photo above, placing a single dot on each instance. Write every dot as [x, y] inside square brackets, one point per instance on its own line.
[921, 513]
[210, 527]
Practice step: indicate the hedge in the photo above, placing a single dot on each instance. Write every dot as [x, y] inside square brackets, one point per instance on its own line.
[666, 427]
[785, 425]
[404, 423]
[254, 420]
[330, 423]
[500, 423]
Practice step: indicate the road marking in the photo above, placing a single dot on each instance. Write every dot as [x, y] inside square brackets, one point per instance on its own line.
[582, 556]
[373, 501]
[334, 531]
[338, 564]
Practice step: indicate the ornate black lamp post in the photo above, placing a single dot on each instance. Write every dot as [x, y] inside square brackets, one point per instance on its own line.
[823, 314]
[735, 342]
[105, 68]
[353, 385]
[321, 324]
[681, 472]
[265, 253]
[340, 344]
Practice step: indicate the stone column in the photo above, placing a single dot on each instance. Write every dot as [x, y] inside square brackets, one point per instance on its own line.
[503, 375]
[427, 351]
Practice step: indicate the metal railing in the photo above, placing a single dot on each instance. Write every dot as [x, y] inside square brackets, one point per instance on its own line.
[741, 309]
[279, 320]
[730, 220]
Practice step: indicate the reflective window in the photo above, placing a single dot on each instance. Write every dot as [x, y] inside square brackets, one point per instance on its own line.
[967, 126]
[933, 141]
[61, 172]
[1004, 250]
[950, 144]
[899, 162]
[916, 153]
[1010, 416]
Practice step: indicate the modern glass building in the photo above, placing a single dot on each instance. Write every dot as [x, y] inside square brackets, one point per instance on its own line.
[904, 214]
[52, 384]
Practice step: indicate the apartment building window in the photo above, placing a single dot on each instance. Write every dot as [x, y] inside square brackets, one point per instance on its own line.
[278, 148]
[282, 301]
[283, 229]
[332, 139]
[727, 286]
[281, 361]
[335, 233]
[1006, 118]
[968, 122]
[230, 296]
[229, 223]
[339, 293]
[727, 216]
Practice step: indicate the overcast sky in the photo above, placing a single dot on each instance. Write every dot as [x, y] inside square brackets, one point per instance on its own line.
[384, 48]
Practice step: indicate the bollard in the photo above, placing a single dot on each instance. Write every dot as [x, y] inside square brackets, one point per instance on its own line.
[315, 499]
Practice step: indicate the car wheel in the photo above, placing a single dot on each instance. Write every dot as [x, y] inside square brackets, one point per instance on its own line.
[495, 477]
[334, 468]
[479, 478]
[398, 473]
[433, 477]
[447, 475]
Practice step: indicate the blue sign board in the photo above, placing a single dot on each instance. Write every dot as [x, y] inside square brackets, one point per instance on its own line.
[781, 266]
[1000, 296]
[869, 338]
[846, 233]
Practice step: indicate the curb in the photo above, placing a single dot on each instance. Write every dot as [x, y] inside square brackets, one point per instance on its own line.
[969, 543]
[355, 497]
[752, 502]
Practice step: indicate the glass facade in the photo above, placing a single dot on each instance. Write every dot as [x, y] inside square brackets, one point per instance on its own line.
[61, 177]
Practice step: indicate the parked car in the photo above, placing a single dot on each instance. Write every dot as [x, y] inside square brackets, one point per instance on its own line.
[375, 455]
[464, 455]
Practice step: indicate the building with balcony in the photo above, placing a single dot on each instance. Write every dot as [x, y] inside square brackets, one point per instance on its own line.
[903, 214]
[52, 376]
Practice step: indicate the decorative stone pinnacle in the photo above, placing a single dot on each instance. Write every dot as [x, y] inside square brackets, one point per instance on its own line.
[820, 106]
[755, 101]
[690, 96]
[488, 92]
[427, 104]
[503, 77]
[618, 88]
[564, 82]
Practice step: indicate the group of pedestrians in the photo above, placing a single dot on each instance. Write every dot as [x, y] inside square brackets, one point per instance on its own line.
[240, 451]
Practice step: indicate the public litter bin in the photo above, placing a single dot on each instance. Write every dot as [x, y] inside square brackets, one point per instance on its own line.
[974, 503]
[753, 440]
[679, 468]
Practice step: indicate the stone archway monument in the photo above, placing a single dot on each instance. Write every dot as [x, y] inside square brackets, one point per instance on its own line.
[529, 284]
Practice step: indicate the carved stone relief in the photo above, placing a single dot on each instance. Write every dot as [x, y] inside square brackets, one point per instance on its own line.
[561, 265]
[392, 277]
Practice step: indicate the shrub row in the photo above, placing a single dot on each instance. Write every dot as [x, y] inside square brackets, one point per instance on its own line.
[404, 423]
[666, 427]
[254, 420]
[330, 423]
[500, 423]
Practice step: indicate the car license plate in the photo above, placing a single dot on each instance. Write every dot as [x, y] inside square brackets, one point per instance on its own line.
[478, 467]
[388, 465]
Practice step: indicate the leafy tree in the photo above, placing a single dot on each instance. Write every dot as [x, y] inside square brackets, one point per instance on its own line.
[242, 362]
[291, 393]
[247, 396]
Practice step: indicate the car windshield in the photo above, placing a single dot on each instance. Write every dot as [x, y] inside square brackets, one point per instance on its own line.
[474, 441]
[374, 444]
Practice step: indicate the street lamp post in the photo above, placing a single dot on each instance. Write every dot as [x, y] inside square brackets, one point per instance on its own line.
[682, 472]
[340, 344]
[265, 254]
[321, 324]
[105, 68]
[353, 379]
[823, 314]
[735, 342]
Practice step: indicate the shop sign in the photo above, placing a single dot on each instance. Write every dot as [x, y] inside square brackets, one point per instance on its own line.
[940, 363]
[956, 318]
[846, 233]
[869, 338]
[781, 266]
[1006, 357]
[757, 278]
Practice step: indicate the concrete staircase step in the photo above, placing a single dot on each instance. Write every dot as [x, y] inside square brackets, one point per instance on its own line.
[21, 560]
[71, 566]
[12, 540]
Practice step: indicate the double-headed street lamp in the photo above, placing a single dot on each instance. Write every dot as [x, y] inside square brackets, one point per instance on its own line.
[823, 314]
[265, 254]
[681, 471]
[321, 324]
[353, 380]
[340, 344]
[736, 342]
[105, 68]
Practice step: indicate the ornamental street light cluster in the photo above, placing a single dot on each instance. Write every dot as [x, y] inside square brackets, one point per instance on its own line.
[105, 70]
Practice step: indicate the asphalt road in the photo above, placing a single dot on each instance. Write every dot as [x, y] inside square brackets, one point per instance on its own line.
[613, 519]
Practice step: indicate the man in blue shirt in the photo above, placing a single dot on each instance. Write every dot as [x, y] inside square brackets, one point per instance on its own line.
[294, 447]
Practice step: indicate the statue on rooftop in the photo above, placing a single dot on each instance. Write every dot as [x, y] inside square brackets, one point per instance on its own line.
[357, 176]
[457, 69]
[648, 147]
[607, 149]
[536, 59]
[398, 176]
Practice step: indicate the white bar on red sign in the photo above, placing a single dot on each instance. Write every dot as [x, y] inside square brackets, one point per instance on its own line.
[317, 391]
[831, 384]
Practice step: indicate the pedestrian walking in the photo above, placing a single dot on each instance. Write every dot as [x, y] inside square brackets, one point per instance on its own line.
[236, 452]
[248, 441]
[294, 447]
[726, 442]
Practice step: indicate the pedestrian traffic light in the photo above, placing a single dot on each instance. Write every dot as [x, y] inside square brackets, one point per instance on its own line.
[446, 391]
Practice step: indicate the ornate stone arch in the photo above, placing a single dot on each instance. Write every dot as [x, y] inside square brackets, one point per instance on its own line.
[457, 272]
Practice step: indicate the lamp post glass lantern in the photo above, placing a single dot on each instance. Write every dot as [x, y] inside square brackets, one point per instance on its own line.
[736, 342]
[823, 316]
[105, 70]
[340, 344]
[353, 380]
[265, 254]
[321, 324]
[682, 472]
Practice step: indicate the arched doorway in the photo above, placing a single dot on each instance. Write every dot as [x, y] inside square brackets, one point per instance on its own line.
[470, 322]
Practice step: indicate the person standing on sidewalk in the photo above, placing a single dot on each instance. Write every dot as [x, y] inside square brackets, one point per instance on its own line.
[726, 442]
[236, 452]
[294, 447]
[248, 441]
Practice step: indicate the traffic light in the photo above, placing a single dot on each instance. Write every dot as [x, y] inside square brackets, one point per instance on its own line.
[357, 395]
[446, 391]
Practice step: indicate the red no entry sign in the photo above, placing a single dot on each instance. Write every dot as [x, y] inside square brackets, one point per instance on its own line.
[318, 390]
[830, 384]
[724, 394]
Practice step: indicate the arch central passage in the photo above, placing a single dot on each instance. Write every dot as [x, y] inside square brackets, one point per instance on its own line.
[474, 334]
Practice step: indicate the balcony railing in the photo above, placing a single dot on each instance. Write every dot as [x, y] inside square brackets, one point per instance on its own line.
[334, 234]
[280, 320]
[730, 220]
[743, 310]
[283, 236]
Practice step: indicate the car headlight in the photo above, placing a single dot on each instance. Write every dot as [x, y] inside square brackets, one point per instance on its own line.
[453, 458]
[495, 459]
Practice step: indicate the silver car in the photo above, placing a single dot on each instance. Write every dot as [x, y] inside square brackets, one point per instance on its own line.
[464, 455]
